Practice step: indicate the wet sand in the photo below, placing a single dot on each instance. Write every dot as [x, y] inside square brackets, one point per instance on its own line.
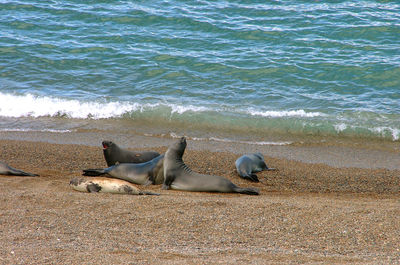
[306, 213]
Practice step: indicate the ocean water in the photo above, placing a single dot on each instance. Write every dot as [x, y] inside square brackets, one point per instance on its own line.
[264, 72]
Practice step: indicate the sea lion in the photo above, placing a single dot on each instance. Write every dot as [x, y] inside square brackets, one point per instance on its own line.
[114, 154]
[248, 164]
[150, 172]
[178, 176]
[7, 170]
[106, 185]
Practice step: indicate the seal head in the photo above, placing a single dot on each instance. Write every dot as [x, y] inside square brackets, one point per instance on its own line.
[249, 164]
[113, 154]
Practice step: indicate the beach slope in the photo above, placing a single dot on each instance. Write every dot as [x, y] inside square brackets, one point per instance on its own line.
[306, 213]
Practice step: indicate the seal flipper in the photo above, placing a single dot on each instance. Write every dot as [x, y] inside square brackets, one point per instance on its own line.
[167, 182]
[94, 172]
[251, 177]
[17, 172]
[254, 178]
[248, 191]
[265, 167]
[9, 170]
[148, 193]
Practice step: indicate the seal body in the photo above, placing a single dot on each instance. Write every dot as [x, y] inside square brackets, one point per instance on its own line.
[106, 185]
[249, 164]
[113, 154]
[178, 176]
[150, 172]
[7, 170]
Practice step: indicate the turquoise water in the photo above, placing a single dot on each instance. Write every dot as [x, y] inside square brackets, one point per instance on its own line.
[252, 68]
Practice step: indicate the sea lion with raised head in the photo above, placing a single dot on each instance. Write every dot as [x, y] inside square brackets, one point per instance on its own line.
[106, 185]
[150, 172]
[114, 154]
[178, 176]
[8, 170]
[248, 164]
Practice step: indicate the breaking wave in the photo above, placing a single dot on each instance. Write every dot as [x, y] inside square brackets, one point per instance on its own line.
[214, 117]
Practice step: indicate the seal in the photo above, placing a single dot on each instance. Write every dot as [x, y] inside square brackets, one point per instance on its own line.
[106, 185]
[150, 172]
[7, 170]
[248, 164]
[114, 154]
[179, 176]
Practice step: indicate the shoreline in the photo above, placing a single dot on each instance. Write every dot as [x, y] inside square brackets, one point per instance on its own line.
[345, 154]
[306, 213]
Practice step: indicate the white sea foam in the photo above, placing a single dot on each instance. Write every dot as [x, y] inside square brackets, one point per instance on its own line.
[28, 105]
[290, 113]
[224, 140]
[34, 106]
[340, 127]
[182, 109]
[248, 142]
[394, 132]
[35, 130]
[174, 135]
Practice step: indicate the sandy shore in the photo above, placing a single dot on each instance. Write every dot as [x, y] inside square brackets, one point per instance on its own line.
[306, 213]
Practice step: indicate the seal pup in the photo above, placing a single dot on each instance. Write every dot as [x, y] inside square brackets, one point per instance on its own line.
[106, 185]
[113, 154]
[150, 172]
[248, 164]
[178, 176]
[7, 170]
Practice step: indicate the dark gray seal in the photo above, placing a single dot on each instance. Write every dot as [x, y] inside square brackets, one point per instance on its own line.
[7, 170]
[249, 164]
[179, 176]
[114, 154]
[106, 185]
[150, 172]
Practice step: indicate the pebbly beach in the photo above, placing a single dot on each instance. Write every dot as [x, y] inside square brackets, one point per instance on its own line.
[306, 212]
